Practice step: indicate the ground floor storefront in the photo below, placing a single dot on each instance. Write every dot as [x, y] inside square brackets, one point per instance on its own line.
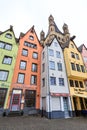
[23, 100]
[79, 105]
[57, 106]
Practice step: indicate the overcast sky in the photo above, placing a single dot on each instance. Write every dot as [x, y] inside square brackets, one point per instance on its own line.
[23, 14]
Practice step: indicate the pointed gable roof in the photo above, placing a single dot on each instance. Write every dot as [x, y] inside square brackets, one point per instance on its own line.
[32, 30]
[81, 47]
[11, 30]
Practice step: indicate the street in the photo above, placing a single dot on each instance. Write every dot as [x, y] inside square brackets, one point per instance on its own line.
[38, 123]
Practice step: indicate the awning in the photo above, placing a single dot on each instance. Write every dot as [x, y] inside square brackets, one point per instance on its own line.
[80, 95]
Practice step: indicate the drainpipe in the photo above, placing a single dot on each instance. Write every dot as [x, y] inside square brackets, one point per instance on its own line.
[48, 84]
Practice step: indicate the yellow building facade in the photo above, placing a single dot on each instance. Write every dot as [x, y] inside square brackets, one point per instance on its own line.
[76, 74]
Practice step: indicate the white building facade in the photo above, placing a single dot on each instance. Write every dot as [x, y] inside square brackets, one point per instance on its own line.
[55, 97]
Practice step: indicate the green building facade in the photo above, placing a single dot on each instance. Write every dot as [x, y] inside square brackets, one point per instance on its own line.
[8, 53]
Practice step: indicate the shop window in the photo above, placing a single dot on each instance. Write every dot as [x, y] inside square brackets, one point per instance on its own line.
[30, 98]
[3, 93]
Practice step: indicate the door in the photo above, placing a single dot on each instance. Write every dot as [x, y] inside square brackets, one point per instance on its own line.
[66, 112]
[15, 101]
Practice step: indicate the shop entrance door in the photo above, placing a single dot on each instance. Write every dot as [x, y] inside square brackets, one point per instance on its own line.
[15, 101]
[66, 112]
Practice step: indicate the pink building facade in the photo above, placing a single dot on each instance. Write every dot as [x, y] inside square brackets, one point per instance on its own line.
[83, 51]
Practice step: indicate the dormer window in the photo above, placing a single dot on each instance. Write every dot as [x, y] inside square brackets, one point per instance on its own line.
[31, 37]
[8, 35]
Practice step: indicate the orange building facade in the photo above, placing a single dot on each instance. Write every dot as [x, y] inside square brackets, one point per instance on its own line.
[25, 87]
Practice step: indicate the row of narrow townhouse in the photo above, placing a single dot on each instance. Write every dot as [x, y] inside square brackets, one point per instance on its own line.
[47, 76]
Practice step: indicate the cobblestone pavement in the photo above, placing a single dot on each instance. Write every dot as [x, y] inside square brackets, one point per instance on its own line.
[38, 123]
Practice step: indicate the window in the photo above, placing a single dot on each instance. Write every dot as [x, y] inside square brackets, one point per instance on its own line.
[85, 99]
[43, 67]
[71, 83]
[8, 47]
[43, 55]
[81, 84]
[23, 65]
[33, 79]
[31, 37]
[52, 65]
[31, 45]
[76, 84]
[7, 60]
[78, 67]
[61, 81]
[35, 55]
[82, 68]
[21, 78]
[85, 59]
[3, 75]
[34, 67]
[3, 92]
[30, 98]
[25, 52]
[58, 54]
[72, 46]
[51, 52]
[55, 44]
[59, 66]
[43, 82]
[5, 46]
[72, 55]
[73, 66]
[8, 35]
[82, 103]
[52, 80]
[77, 56]
[2, 44]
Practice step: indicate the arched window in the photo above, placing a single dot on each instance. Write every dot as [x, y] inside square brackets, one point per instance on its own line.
[8, 35]
[31, 37]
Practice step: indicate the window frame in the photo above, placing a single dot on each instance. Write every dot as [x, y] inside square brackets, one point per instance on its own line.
[73, 67]
[51, 52]
[43, 82]
[22, 79]
[58, 54]
[78, 68]
[51, 66]
[51, 80]
[61, 81]
[3, 62]
[23, 68]
[4, 75]
[72, 55]
[23, 52]
[33, 55]
[36, 67]
[71, 82]
[59, 65]
[35, 80]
